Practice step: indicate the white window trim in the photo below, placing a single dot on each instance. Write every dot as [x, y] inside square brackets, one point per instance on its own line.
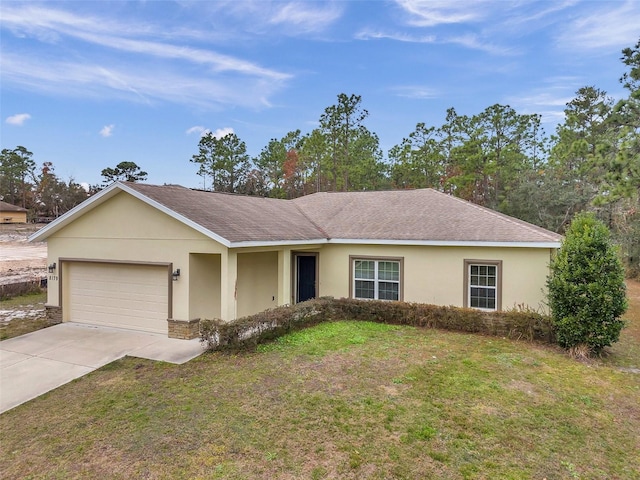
[467, 283]
[375, 280]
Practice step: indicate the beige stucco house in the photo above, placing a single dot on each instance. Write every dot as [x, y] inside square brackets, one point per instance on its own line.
[158, 258]
[12, 213]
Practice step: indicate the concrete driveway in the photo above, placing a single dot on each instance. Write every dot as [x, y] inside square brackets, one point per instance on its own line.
[37, 362]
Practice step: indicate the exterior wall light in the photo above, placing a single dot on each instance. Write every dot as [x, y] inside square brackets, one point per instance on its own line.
[176, 274]
[52, 267]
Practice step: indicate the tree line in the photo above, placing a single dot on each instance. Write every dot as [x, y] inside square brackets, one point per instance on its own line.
[39, 190]
[497, 158]
[42, 192]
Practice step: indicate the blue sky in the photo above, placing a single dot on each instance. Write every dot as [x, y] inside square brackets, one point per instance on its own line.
[88, 84]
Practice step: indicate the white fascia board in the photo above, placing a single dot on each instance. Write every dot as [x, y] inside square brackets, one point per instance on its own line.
[276, 243]
[75, 212]
[444, 243]
[175, 215]
[364, 241]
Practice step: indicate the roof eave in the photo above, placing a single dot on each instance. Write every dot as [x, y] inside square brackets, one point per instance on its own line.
[447, 243]
[368, 241]
[277, 243]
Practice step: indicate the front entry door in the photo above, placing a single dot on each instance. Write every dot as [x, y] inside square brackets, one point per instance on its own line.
[305, 277]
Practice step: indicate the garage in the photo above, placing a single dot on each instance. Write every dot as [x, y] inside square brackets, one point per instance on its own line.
[132, 296]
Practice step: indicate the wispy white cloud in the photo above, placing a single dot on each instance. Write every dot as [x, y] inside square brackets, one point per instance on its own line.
[117, 36]
[367, 34]
[141, 84]
[608, 24]
[49, 24]
[18, 119]
[222, 132]
[550, 104]
[474, 42]
[470, 41]
[417, 92]
[280, 18]
[543, 99]
[490, 16]
[202, 131]
[534, 14]
[215, 61]
[146, 66]
[428, 13]
[107, 130]
[549, 101]
[493, 26]
[196, 129]
[422, 17]
[306, 17]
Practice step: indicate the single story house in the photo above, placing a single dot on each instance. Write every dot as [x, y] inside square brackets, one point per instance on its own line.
[159, 258]
[12, 213]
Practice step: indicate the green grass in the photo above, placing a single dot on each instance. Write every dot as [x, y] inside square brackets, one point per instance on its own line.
[342, 400]
[626, 353]
[20, 326]
[24, 300]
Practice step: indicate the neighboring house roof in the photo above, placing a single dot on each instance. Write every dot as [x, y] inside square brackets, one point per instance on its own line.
[7, 207]
[415, 217]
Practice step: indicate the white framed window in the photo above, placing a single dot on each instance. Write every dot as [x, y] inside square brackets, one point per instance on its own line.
[376, 278]
[483, 281]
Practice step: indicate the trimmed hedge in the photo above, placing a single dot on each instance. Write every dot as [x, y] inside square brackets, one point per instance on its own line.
[249, 331]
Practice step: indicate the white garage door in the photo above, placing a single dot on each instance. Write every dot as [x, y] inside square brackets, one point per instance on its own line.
[118, 295]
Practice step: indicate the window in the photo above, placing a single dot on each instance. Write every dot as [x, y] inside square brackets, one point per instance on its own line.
[483, 284]
[376, 279]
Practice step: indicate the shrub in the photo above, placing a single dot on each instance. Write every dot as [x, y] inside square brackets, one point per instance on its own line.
[586, 287]
[250, 331]
[269, 324]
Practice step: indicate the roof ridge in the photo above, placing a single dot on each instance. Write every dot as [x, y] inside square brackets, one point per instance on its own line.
[304, 214]
[515, 221]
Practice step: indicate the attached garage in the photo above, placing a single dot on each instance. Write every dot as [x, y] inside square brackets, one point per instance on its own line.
[123, 295]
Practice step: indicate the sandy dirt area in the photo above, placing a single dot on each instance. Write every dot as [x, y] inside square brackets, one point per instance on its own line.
[20, 259]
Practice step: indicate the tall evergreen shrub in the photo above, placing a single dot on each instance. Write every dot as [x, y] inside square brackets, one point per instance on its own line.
[587, 293]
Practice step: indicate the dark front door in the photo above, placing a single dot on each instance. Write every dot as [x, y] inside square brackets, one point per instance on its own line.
[306, 277]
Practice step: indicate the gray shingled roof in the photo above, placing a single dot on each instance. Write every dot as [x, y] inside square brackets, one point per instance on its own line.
[238, 218]
[7, 207]
[404, 215]
[423, 214]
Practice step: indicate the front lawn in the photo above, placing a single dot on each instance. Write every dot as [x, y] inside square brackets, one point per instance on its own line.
[343, 400]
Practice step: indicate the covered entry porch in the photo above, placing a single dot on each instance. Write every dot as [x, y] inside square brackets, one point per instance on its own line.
[244, 281]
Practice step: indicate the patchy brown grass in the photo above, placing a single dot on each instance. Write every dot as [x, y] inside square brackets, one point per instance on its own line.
[21, 326]
[626, 353]
[340, 400]
[30, 315]
[345, 400]
[633, 313]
